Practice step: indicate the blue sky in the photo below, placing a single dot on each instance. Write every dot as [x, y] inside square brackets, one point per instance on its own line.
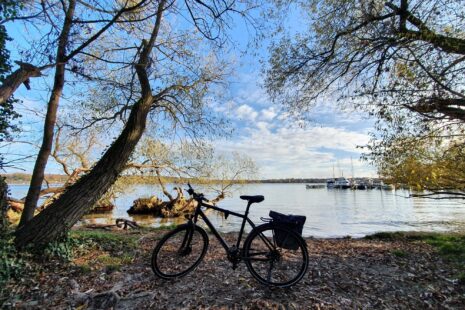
[281, 147]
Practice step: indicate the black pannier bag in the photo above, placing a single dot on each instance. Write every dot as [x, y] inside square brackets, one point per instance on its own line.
[294, 223]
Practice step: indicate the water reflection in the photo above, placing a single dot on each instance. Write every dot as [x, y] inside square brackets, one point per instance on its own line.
[330, 213]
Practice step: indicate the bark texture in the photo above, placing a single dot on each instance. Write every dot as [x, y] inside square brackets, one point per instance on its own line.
[3, 204]
[14, 80]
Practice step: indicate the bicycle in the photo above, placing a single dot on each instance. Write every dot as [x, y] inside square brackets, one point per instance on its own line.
[274, 254]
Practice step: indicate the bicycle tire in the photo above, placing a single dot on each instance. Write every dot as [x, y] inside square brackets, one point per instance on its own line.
[262, 256]
[174, 248]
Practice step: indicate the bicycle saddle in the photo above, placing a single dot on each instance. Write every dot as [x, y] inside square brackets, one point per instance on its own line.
[252, 199]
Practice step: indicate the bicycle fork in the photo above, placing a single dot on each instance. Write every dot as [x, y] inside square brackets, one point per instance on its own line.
[185, 248]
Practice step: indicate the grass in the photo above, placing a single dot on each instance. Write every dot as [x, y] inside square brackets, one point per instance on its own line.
[399, 253]
[162, 227]
[450, 246]
[106, 240]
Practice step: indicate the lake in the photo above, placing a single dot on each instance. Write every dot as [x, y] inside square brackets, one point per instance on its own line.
[329, 212]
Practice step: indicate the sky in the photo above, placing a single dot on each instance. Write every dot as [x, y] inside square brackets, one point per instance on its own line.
[285, 149]
[263, 131]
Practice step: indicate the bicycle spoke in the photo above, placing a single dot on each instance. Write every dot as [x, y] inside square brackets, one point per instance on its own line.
[179, 252]
[280, 262]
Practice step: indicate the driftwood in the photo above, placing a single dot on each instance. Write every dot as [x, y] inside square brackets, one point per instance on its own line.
[103, 206]
[119, 223]
[123, 223]
[175, 207]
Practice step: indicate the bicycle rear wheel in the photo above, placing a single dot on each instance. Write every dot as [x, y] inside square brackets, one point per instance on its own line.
[275, 255]
[180, 251]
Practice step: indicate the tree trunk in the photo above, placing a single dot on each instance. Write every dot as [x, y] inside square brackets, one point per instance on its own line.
[3, 205]
[14, 80]
[79, 198]
[50, 119]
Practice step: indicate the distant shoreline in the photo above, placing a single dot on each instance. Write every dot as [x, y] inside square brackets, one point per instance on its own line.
[24, 179]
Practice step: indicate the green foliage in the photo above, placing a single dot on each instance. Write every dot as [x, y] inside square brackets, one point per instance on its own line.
[112, 268]
[11, 263]
[399, 253]
[105, 240]
[423, 164]
[85, 269]
[81, 241]
[61, 249]
[8, 9]
[450, 246]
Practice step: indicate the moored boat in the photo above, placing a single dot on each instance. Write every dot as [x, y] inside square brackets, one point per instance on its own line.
[330, 183]
[341, 183]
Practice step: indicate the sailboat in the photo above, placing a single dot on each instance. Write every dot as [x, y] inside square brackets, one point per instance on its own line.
[330, 182]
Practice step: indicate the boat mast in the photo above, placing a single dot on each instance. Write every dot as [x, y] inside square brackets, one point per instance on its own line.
[352, 165]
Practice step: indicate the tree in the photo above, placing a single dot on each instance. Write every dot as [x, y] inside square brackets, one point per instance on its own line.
[401, 61]
[432, 165]
[168, 91]
[7, 112]
[69, 43]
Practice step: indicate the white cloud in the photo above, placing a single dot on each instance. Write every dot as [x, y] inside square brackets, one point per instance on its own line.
[246, 112]
[222, 107]
[269, 114]
[300, 152]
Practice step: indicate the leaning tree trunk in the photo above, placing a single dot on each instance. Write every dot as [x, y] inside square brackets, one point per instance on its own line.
[80, 197]
[50, 119]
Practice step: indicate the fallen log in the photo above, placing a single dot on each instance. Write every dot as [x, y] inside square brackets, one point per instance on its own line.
[119, 223]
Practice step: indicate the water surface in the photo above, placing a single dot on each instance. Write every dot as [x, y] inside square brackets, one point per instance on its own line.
[330, 213]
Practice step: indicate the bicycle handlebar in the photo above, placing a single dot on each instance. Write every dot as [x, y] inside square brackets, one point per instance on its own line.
[190, 190]
[197, 196]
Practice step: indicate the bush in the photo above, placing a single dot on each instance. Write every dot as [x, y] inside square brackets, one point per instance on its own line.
[11, 263]
[61, 249]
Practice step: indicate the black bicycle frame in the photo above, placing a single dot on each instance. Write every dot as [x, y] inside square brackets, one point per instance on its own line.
[245, 218]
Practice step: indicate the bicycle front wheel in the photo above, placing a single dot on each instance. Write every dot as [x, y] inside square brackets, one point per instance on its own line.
[180, 251]
[275, 255]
